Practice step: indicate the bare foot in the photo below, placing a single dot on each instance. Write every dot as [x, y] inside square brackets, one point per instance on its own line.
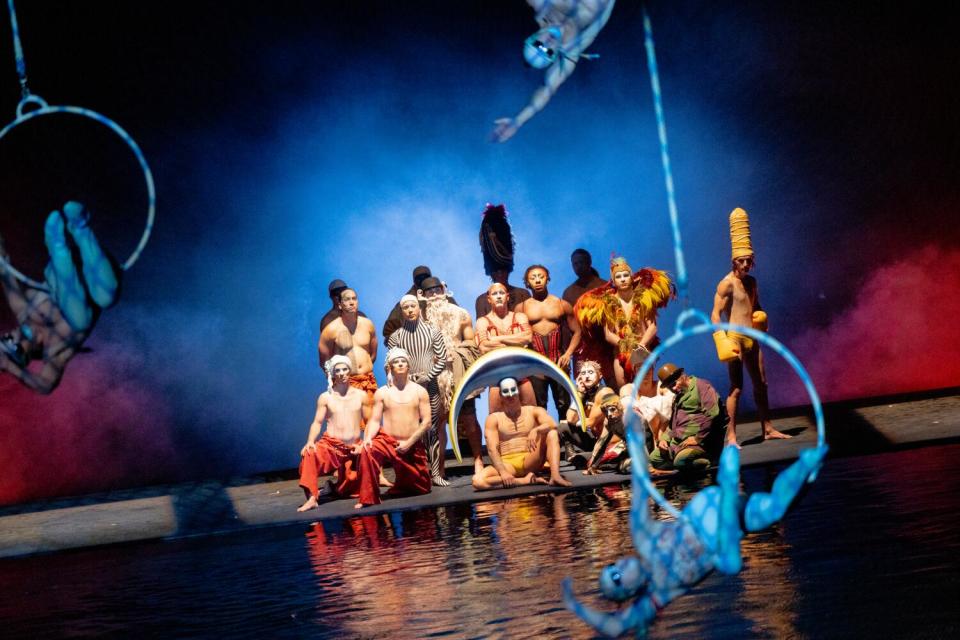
[477, 466]
[663, 473]
[384, 482]
[311, 503]
[532, 478]
[732, 443]
[359, 505]
[559, 481]
[773, 434]
[591, 471]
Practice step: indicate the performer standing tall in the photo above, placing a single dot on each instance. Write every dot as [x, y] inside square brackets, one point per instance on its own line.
[738, 300]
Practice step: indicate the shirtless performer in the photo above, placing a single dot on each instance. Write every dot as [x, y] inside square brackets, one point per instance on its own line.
[520, 440]
[503, 328]
[341, 408]
[354, 336]
[546, 312]
[403, 407]
[738, 300]
[53, 326]
[456, 327]
[568, 27]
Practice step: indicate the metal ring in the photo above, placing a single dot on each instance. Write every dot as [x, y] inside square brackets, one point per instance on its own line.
[44, 109]
[763, 338]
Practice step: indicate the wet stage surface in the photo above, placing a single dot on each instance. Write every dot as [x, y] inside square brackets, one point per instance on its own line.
[872, 550]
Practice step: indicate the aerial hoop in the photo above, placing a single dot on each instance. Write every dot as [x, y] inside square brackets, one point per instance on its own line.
[43, 109]
[705, 326]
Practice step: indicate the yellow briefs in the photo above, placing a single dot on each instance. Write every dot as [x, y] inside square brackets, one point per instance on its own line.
[515, 460]
[745, 342]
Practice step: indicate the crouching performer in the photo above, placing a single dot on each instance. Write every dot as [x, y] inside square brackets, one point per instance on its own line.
[341, 408]
[694, 436]
[672, 557]
[403, 407]
[520, 440]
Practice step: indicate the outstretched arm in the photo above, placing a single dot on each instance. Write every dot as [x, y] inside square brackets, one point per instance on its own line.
[763, 509]
[636, 617]
[556, 75]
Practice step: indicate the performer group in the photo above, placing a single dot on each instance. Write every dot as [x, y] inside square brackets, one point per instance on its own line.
[600, 331]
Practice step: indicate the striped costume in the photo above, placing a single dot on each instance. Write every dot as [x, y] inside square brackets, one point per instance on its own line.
[428, 359]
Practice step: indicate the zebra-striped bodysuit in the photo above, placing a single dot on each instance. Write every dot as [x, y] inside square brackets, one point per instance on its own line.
[428, 359]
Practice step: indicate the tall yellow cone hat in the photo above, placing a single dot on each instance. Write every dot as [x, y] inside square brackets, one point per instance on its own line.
[740, 234]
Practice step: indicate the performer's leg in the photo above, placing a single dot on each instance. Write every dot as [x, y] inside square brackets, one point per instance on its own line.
[413, 473]
[735, 371]
[753, 361]
[526, 394]
[540, 385]
[467, 425]
[98, 273]
[548, 448]
[66, 289]
[434, 437]
[381, 449]
[561, 398]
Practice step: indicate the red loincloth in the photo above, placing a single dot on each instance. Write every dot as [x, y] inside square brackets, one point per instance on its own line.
[413, 472]
[332, 454]
[365, 382]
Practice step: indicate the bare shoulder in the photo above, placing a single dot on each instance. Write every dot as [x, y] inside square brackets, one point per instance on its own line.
[726, 285]
[540, 414]
[521, 317]
[380, 393]
[366, 323]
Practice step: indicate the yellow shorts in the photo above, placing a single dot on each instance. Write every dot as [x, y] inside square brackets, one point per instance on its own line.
[745, 342]
[515, 460]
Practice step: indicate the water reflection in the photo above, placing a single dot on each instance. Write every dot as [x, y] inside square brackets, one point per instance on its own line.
[872, 550]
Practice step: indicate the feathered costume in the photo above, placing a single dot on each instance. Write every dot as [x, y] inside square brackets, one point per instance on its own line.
[652, 290]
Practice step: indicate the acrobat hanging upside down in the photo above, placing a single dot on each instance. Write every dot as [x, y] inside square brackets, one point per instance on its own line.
[674, 556]
[53, 326]
[567, 28]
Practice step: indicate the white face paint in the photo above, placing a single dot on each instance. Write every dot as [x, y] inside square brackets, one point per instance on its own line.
[588, 377]
[341, 373]
[509, 388]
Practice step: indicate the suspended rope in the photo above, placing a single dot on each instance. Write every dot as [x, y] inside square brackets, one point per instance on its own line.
[703, 323]
[33, 106]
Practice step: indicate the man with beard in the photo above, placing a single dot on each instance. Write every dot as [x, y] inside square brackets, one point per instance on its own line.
[456, 327]
[427, 359]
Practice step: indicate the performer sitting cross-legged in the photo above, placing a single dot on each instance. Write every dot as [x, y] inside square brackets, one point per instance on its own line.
[403, 407]
[521, 439]
[341, 408]
[53, 326]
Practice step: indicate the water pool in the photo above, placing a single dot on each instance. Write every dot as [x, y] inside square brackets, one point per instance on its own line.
[872, 550]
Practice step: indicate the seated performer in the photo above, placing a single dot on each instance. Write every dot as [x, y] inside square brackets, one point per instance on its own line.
[427, 353]
[53, 326]
[738, 300]
[546, 313]
[567, 28]
[612, 427]
[354, 336]
[626, 310]
[673, 556]
[456, 327]
[520, 441]
[403, 407]
[341, 408]
[571, 434]
[694, 436]
[503, 328]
